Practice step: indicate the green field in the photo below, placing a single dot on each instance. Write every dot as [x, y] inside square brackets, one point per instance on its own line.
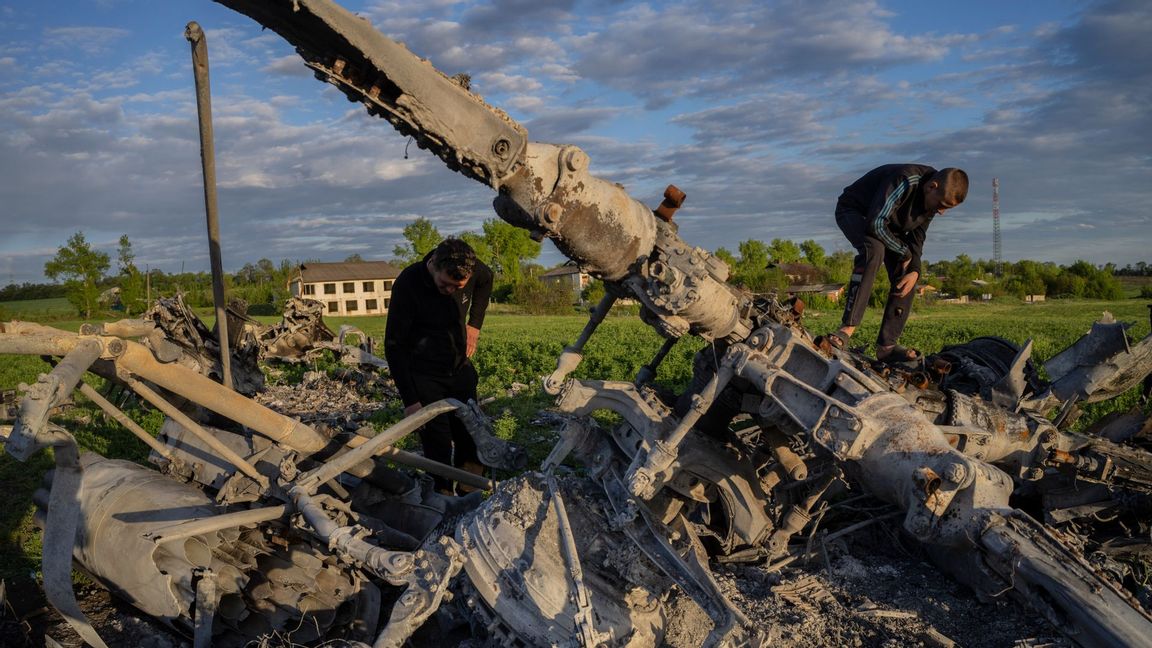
[520, 349]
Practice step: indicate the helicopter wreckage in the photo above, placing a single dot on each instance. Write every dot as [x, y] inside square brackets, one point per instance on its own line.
[255, 521]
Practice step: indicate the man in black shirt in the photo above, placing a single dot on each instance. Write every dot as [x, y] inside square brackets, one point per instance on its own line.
[434, 319]
[885, 215]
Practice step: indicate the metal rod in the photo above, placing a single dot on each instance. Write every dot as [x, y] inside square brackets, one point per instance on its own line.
[122, 419]
[315, 478]
[225, 453]
[215, 523]
[199, 42]
[436, 468]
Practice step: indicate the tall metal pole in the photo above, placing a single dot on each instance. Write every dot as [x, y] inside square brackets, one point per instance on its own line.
[199, 42]
[997, 252]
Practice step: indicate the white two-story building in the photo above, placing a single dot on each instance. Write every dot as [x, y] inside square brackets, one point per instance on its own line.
[346, 289]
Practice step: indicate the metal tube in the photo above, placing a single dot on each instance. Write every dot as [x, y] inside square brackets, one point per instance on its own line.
[122, 419]
[210, 394]
[437, 468]
[203, 526]
[313, 479]
[199, 42]
[175, 414]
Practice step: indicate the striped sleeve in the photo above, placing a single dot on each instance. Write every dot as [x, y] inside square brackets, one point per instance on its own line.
[879, 224]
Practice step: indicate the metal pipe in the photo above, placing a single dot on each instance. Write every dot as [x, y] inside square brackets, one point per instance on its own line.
[199, 42]
[436, 468]
[122, 418]
[210, 394]
[203, 526]
[309, 482]
[170, 410]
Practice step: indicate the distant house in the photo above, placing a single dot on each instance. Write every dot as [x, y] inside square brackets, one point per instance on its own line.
[799, 273]
[568, 275]
[347, 289]
[832, 292]
[1033, 299]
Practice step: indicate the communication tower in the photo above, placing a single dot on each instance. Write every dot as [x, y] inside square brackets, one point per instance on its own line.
[997, 253]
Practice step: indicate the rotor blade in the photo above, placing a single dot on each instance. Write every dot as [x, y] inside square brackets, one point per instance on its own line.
[473, 138]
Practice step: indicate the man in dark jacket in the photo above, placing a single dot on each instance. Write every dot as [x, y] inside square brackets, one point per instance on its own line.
[434, 319]
[885, 215]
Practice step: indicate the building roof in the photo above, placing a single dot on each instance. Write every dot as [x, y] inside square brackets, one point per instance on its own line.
[568, 268]
[354, 271]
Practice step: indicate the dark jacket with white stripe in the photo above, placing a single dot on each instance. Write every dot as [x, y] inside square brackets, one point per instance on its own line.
[891, 199]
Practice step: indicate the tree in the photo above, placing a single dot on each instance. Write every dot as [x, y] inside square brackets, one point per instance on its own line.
[132, 289]
[510, 246]
[479, 245]
[783, 251]
[82, 268]
[354, 258]
[813, 253]
[422, 237]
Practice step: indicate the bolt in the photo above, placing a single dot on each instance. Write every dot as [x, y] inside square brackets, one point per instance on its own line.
[955, 472]
[576, 160]
[919, 526]
[501, 148]
[552, 212]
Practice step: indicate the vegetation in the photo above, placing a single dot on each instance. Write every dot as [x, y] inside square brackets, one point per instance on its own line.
[81, 267]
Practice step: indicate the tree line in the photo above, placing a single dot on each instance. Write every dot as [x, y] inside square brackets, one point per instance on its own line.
[82, 273]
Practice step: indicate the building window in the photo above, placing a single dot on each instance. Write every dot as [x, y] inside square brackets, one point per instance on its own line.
[351, 305]
[349, 286]
[330, 289]
[387, 286]
[369, 286]
[369, 305]
[386, 302]
[333, 307]
[309, 289]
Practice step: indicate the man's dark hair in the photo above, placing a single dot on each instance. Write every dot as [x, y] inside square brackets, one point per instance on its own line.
[454, 257]
[954, 182]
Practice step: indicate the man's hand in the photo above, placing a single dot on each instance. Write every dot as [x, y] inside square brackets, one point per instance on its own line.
[412, 409]
[473, 339]
[907, 283]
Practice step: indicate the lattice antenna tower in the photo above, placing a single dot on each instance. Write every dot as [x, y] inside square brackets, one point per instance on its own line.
[997, 252]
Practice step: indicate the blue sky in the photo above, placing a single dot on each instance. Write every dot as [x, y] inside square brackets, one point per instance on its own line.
[760, 111]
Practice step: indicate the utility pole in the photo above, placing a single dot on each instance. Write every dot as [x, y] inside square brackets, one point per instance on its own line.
[997, 252]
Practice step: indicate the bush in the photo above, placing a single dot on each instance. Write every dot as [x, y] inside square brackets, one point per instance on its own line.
[539, 298]
[263, 309]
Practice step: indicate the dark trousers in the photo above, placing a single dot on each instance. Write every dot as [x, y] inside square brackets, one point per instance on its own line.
[870, 253]
[445, 439]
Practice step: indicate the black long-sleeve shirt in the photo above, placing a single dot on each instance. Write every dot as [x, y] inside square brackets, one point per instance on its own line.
[891, 197]
[425, 332]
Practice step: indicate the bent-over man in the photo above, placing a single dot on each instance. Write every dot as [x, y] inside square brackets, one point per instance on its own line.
[434, 320]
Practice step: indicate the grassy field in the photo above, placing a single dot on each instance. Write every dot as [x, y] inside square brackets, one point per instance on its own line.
[520, 349]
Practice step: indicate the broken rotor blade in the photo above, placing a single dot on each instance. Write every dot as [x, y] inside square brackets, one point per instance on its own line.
[473, 138]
